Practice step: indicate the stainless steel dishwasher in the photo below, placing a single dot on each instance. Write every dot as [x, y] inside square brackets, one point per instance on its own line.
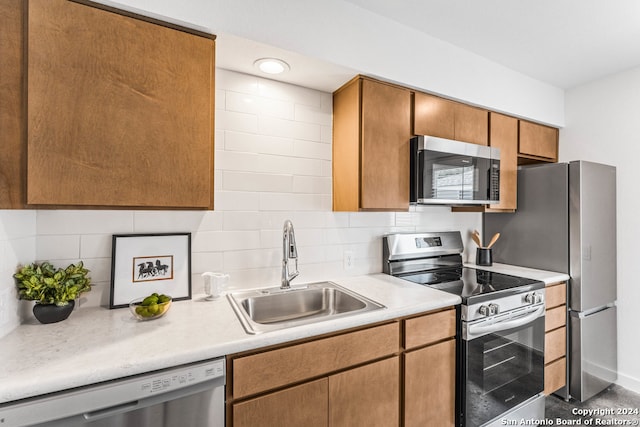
[186, 396]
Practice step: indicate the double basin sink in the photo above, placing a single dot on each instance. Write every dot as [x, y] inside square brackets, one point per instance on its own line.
[269, 309]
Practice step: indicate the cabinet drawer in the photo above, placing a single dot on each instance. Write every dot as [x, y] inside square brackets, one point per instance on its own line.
[430, 328]
[555, 375]
[556, 295]
[555, 317]
[287, 365]
[555, 343]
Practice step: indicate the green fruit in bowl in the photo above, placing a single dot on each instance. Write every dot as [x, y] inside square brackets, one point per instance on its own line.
[151, 307]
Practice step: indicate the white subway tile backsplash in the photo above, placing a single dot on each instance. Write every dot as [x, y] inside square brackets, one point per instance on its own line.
[261, 258]
[167, 221]
[52, 222]
[238, 220]
[312, 184]
[311, 149]
[95, 246]
[273, 126]
[287, 92]
[273, 161]
[239, 122]
[236, 82]
[252, 143]
[236, 200]
[58, 247]
[250, 181]
[304, 113]
[252, 104]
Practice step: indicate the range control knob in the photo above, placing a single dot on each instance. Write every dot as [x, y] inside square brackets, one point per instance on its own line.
[533, 298]
[493, 309]
[484, 310]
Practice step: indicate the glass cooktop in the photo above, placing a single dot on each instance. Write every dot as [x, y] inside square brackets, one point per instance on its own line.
[473, 284]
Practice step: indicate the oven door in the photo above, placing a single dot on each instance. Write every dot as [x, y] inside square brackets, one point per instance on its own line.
[501, 365]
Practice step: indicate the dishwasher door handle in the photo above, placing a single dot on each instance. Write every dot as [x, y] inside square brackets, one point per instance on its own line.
[112, 410]
[475, 331]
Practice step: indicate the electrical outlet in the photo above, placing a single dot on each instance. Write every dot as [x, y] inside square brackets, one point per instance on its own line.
[348, 260]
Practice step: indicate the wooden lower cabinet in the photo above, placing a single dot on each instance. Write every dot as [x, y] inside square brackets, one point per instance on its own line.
[303, 405]
[367, 396]
[555, 340]
[429, 386]
[396, 373]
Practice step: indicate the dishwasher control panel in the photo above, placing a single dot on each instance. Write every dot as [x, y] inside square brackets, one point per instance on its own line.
[178, 378]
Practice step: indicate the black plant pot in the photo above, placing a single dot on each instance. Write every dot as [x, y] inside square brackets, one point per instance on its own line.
[51, 313]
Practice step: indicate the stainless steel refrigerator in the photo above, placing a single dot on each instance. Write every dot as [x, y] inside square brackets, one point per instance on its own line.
[566, 222]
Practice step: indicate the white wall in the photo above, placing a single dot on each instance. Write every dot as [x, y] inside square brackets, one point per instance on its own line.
[342, 33]
[273, 162]
[17, 246]
[603, 126]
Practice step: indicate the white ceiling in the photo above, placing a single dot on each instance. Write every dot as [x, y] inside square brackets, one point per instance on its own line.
[561, 42]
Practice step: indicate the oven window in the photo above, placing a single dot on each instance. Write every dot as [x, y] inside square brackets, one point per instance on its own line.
[502, 370]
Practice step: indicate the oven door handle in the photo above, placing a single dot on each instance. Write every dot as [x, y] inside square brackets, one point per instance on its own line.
[475, 331]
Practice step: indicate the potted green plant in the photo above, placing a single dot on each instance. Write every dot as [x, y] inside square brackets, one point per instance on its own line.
[54, 289]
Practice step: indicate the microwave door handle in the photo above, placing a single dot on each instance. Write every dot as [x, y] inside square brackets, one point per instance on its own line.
[474, 331]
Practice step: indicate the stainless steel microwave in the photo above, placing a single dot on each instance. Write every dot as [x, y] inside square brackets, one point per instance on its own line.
[447, 172]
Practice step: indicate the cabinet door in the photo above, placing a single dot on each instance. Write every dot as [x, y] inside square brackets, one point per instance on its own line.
[504, 135]
[471, 124]
[13, 152]
[366, 396]
[433, 116]
[429, 387]
[304, 405]
[538, 140]
[120, 110]
[386, 130]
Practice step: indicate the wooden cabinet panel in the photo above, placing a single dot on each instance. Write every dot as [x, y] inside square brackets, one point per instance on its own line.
[429, 390]
[433, 116]
[371, 132]
[120, 110]
[472, 124]
[555, 375]
[303, 405]
[13, 153]
[555, 317]
[443, 118]
[429, 328]
[504, 135]
[346, 148]
[367, 396]
[555, 344]
[311, 359]
[556, 295]
[386, 123]
[538, 141]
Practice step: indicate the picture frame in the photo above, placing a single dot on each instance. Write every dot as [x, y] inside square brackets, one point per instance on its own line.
[142, 264]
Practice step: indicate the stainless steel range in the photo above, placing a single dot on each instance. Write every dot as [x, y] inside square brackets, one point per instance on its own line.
[500, 373]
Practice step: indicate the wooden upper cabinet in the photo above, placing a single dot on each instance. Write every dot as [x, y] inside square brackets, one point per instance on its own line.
[503, 134]
[538, 142]
[120, 109]
[13, 152]
[371, 132]
[443, 118]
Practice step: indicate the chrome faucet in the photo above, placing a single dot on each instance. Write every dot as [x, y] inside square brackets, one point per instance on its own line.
[289, 252]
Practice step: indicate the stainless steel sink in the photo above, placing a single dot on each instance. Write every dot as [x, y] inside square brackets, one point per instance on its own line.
[269, 309]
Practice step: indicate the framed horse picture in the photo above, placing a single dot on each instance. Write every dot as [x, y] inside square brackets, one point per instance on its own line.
[142, 264]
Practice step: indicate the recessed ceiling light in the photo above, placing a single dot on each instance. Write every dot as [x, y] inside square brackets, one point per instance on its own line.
[272, 65]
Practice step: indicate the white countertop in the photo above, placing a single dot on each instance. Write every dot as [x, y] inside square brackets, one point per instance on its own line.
[548, 277]
[98, 344]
